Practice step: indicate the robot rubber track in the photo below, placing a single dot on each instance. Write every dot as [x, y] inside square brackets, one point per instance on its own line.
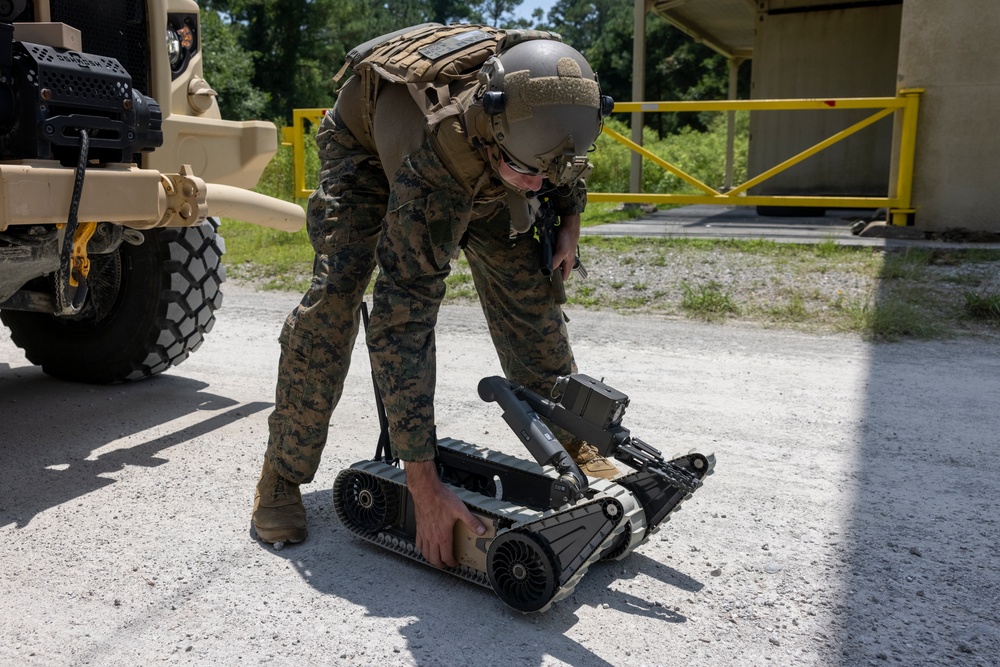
[530, 557]
[546, 522]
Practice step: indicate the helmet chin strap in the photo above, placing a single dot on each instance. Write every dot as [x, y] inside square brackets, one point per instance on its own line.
[523, 204]
[493, 155]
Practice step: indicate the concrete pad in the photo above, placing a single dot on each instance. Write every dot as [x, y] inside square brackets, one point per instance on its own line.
[743, 222]
[706, 221]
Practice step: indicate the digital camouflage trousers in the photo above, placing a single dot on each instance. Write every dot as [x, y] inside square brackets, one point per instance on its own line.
[411, 227]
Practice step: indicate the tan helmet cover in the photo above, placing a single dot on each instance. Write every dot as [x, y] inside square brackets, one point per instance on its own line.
[551, 108]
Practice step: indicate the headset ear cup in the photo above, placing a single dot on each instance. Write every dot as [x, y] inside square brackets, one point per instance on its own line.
[494, 102]
[607, 106]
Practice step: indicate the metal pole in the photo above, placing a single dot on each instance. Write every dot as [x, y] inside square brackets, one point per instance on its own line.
[734, 68]
[907, 153]
[638, 89]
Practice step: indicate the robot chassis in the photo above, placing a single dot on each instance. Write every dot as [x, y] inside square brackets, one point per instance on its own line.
[546, 522]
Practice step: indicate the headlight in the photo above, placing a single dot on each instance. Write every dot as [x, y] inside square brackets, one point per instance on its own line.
[174, 53]
[182, 41]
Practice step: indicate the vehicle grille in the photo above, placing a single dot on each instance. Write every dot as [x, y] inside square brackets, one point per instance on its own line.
[26, 15]
[111, 28]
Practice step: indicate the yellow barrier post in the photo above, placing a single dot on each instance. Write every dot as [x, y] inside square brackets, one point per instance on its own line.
[907, 155]
[295, 136]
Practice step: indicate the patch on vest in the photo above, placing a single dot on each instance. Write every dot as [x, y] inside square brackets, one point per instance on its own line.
[452, 44]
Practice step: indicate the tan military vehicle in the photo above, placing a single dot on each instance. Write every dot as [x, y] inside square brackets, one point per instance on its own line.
[115, 166]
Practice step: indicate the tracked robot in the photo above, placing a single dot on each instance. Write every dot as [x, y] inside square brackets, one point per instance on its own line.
[546, 521]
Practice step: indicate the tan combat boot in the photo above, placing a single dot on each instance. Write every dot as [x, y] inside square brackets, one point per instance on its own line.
[278, 512]
[590, 461]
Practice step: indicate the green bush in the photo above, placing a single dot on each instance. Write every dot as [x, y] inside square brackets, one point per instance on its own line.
[700, 154]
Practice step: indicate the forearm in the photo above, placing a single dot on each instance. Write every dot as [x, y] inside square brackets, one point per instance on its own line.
[421, 477]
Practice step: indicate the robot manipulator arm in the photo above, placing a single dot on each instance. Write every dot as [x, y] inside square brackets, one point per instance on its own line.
[534, 434]
[593, 411]
[590, 410]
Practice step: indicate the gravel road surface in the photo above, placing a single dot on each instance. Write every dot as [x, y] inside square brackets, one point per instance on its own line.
[852, 518]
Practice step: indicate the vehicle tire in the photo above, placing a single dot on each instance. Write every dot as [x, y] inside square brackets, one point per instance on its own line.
[149, 306]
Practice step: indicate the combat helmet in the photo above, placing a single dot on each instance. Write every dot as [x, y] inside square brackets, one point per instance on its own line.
[545, 108]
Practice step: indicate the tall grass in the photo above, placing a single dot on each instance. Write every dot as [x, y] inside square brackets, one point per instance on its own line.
[983, 306]
[707, 301]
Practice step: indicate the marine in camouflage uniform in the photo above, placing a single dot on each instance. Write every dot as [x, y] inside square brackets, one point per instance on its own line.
[406, 197]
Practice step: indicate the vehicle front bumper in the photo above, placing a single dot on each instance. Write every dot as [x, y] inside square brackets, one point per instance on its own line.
[40, 192]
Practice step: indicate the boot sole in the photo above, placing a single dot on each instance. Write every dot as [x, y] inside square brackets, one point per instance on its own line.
[286, 535]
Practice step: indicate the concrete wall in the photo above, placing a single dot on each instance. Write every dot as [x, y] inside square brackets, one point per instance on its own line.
[951, 49]
[835, 53]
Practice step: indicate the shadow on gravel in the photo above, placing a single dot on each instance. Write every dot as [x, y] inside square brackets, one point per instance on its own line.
[920, 559]
[388, 585]
[51, 428]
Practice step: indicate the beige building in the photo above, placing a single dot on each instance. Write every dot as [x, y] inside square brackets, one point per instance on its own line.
[865, 48]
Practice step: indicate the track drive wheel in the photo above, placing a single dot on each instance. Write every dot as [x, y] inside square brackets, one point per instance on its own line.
[364, 503]
[522, 571]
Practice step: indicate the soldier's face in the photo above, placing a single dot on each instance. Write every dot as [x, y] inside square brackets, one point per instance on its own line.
[519, 179]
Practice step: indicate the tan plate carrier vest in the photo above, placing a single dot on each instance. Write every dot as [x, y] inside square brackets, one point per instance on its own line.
[428, 58]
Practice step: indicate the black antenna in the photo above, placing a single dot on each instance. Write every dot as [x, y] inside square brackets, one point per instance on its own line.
[383, 451]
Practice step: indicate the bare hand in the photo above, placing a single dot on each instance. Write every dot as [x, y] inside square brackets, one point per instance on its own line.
[436, 510]
[567, 240]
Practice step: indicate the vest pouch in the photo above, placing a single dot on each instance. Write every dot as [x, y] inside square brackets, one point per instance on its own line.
[447, 219]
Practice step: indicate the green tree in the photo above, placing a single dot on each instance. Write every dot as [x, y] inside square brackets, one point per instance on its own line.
[677, 68]
[498, 13]
[296, 45]
[447, 11]
[229, 70]
[582, 23]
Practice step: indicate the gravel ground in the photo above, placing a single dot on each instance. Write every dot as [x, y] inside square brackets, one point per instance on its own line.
[654, 279]
[852, 518]
[804, 288]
